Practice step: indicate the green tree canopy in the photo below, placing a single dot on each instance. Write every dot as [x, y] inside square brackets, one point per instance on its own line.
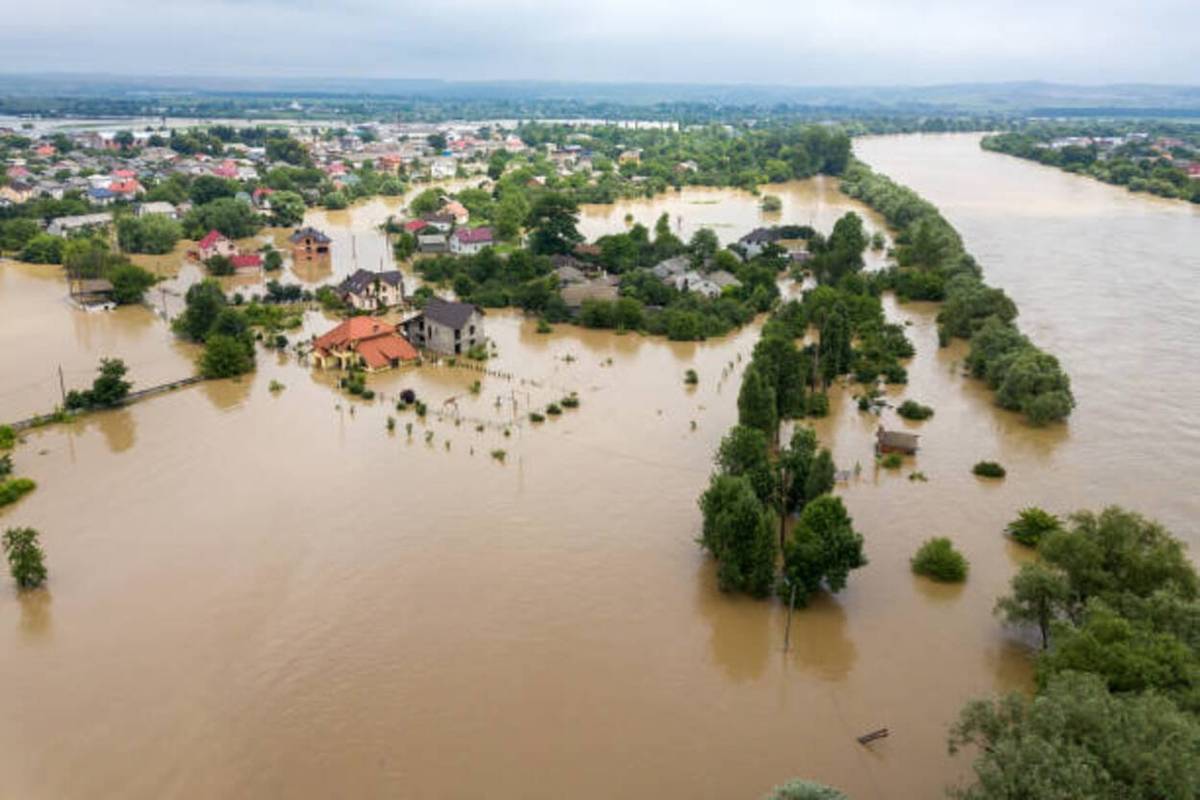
[822, 550]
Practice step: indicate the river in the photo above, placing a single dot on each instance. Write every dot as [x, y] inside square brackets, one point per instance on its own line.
[270, 594]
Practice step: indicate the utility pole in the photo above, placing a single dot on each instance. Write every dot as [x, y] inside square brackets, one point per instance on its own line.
[62, 386]
[787, 634]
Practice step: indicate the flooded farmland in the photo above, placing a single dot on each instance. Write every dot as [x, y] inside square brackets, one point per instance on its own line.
[259, 593]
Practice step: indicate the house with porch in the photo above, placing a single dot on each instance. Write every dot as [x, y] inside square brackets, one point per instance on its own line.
[364, 342]
[446, 327]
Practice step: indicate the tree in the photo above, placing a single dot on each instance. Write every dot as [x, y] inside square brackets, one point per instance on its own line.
[823, 549]
[226, 356]
[1075, 740]
[820, 477]
[204, 301]
[287, 208]
[26, 561]
[756, 403]
[285, 148]
[1116, 552]
[1032, 525]
[207, 188]
[108, 390]
[231, 217]
[511, 213]
[553, 219]
[804, 790]
[937, 559]
[795, 462]
[1039, 595]
[835, 350]
[784, 366]
[740, 534]
[1130, 655]
[427, 202]
[43, 249]
[743, 452]
[437, 141]
[703, 246]
[153, 233]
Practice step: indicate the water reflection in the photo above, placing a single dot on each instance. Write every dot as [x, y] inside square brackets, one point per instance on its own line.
[739, 628]
[228, 394]
[36, 617]
[819, 643]
[117, 426]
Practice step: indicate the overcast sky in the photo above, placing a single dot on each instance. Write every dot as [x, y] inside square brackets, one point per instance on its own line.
[836, 42]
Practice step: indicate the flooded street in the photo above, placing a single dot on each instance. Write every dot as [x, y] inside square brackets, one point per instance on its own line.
[269, 594]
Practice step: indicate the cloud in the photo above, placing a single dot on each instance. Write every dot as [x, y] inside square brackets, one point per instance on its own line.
[760, 41]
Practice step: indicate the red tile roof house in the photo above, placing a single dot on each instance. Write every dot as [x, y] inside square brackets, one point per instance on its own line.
[362, 342]
[468, 241]
[227, 169]
[246, 262]
[415, 225]
[215, 243]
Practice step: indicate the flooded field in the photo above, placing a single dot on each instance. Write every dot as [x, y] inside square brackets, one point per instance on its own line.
[270, 594]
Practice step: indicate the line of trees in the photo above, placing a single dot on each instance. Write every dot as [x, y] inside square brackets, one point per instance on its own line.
[933, 265]
[758, 485]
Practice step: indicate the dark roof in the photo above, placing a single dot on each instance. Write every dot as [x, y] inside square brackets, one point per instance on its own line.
[760, 236]
[362, 279]
[452, 315]
[302, 233]
[897, 439]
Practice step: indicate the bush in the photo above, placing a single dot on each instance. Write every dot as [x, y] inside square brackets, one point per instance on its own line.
[420, 408]
[553, 410]
[691, 378]
[130, 283]
[26, 560]
[408, 397]
[571, 401]
[937, 559]
[499, 455]
[989, 469]
[368, 394]
[911, 409]
[1031, 525]
[8, 437]
[892, 461]
[536, 417]
[276, 386]
[817, 404]
[6, 465]
[544, 327]
[13, 490]
[226, 356]
[478, 352]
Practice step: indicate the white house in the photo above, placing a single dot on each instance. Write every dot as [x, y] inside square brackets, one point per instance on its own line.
[468, 241]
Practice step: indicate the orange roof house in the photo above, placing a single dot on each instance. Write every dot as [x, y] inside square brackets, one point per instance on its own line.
[362, 342]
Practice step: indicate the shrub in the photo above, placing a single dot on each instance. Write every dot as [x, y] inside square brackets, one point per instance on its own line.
[1031, 525]
[989, 469]
[817, 404]
[553, 410]
[937, 559]
[892, 461]
[421, 408]
[8, 437]
[571, 401]
[911, 409]
[408, 397]
[6, 465]
[478, 352]
[691, 378]
[14, 489]
[391, 423]
[368, 394]
[499, 455]
[476, 387]
[544, 327]
[26, 560]
[536, 417]
[226, 356]
[276, 386]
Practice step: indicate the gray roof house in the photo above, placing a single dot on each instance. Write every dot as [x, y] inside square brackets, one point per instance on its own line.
[446, 327]
[370, 291]
[666, 270]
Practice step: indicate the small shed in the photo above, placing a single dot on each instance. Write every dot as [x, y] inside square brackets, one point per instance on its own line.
[895, 442]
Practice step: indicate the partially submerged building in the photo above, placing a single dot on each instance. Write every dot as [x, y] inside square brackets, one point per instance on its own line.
[362, 342]
[309, 243]
[895, 442]
[446, 327]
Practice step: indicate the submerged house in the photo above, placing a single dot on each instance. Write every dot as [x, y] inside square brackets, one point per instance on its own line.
[370, 291]
[308, 242]
[446, 327]
[895, 442]
[362, 342]
[215, 243]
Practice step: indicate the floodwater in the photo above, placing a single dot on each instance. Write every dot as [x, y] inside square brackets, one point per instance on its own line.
[270, 594]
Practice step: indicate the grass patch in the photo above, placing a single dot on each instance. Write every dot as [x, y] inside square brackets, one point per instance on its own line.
[14, 489]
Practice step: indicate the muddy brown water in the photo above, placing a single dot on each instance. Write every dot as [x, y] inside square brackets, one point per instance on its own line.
[268, 594]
